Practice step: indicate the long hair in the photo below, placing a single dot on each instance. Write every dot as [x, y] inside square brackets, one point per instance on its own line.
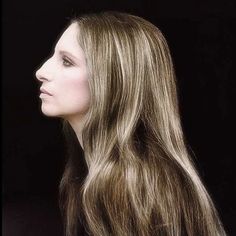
[137, 177]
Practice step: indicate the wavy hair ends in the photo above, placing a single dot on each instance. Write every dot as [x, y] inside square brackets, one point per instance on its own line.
[140, 178]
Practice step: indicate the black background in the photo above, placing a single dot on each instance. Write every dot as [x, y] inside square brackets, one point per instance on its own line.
[201, 36]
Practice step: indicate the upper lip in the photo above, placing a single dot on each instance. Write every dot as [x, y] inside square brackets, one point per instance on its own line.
[45, 91]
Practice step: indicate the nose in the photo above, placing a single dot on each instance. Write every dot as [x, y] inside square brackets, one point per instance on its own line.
[38, 75]
[42, 73]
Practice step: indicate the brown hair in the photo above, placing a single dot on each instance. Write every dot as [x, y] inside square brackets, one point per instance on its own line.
[136, 176]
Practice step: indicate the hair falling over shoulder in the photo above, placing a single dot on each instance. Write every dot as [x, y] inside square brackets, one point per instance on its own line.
[136, 177]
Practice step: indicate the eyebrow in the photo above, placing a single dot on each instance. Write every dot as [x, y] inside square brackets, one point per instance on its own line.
[63, 52]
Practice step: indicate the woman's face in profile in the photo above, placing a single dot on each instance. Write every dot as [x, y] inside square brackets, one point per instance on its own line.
[64, 75]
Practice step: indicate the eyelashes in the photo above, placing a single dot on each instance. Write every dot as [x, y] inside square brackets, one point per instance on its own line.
[66, 62]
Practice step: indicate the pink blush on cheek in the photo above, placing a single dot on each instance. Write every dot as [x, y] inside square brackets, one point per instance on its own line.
[76, 94]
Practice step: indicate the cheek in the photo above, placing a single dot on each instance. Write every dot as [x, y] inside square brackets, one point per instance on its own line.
[75, 94]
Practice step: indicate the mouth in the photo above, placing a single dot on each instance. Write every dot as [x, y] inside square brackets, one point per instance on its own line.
[42, 90]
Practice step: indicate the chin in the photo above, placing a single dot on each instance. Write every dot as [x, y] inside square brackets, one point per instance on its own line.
[49, 112]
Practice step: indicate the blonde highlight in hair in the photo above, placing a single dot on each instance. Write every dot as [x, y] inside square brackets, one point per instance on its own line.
[139, 178]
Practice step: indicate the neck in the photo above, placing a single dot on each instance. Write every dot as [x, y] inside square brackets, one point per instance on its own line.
[77, 124]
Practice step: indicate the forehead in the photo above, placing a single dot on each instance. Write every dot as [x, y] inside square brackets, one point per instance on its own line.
[68, 40]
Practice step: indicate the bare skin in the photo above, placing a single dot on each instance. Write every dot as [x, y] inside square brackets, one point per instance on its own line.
[64, 75]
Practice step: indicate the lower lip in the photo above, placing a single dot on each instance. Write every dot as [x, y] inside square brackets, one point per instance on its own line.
[42, 95]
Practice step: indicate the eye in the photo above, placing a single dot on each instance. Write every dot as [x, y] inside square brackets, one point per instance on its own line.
[66, 62]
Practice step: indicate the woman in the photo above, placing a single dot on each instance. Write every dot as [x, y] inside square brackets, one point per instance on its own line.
[111, 80]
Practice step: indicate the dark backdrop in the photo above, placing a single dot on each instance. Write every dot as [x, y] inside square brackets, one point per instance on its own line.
[201, 37]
